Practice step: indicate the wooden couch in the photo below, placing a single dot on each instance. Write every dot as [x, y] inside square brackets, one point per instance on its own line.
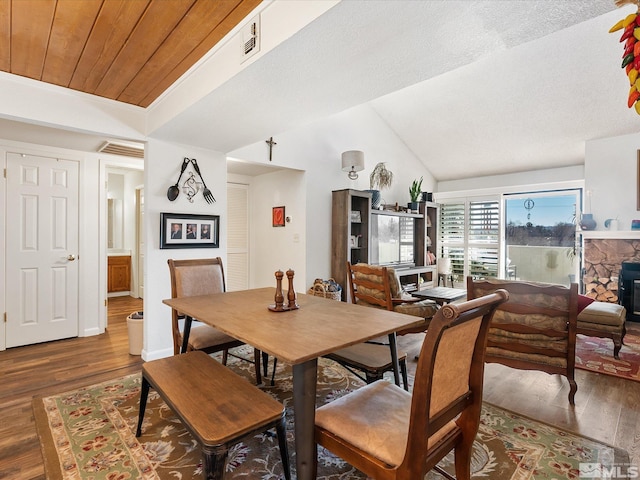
[535, 329]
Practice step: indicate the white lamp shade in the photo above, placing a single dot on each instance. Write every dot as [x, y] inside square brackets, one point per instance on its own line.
[444, 266]
[352, 161]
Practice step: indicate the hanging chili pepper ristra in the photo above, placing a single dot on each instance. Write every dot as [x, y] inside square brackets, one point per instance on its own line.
[630, 26]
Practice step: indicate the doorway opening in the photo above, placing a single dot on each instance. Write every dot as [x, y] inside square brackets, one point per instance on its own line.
[120, 272]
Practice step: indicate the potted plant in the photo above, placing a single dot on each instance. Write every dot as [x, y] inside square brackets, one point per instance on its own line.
[380, 178]
[414, 193]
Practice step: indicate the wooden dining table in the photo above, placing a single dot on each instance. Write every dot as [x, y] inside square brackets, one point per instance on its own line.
[299, 337]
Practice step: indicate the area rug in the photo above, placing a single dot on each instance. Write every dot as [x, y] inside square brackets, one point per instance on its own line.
[89, 434]
[596, 355]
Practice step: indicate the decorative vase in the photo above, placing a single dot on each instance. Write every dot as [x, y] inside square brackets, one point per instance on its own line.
[587, 222]
[375, 199]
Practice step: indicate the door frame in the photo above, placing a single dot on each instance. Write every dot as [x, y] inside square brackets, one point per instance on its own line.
[105, 162]
[3, 247]
[140, 243]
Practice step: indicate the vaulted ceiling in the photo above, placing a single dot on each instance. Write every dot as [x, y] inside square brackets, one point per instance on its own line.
[125, 50]
[471, 87]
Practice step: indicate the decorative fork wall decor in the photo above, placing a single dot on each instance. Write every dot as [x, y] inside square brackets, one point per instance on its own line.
[191, 186]
[208, 196]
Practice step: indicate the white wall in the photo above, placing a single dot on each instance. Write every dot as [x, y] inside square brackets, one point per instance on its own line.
[132, 180]
[611, 176]
[161, 170]
[49, 105]
[278, 22]
[278, 248]
[564, 177]
[317, 149]
[92, 232]
[115, 225]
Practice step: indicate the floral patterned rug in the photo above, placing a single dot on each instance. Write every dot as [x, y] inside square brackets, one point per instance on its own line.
[596, 354]
[89, 434]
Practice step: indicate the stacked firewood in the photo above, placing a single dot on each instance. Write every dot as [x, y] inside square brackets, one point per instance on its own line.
[602, 289]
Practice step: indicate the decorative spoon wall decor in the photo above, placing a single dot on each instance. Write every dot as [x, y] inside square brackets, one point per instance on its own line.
[174, 190]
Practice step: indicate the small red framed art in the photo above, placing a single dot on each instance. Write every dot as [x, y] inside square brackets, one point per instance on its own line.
[277, 216]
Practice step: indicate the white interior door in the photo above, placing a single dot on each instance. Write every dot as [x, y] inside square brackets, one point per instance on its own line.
[42, 249]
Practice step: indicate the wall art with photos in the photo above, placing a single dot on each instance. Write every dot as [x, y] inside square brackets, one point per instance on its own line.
[183, 230]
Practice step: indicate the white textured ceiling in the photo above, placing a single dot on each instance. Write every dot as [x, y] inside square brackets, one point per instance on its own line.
[471, 87]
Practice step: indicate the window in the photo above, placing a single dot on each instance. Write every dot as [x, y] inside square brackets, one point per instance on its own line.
[470, 237]
[540, 236]
[525, 236]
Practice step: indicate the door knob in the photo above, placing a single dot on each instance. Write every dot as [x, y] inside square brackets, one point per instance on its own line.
[71, 258]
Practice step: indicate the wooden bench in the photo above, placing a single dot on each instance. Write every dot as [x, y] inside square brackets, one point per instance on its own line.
[217, 406]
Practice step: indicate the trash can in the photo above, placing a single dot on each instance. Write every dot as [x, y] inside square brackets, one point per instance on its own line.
[134, 325]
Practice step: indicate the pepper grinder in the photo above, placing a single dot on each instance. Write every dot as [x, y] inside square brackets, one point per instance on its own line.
[279, 297]
[291, 294]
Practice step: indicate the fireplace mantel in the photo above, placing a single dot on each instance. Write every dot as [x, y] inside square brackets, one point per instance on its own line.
[615, 234]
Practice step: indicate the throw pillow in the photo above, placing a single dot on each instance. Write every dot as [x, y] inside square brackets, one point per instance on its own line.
[584, 302]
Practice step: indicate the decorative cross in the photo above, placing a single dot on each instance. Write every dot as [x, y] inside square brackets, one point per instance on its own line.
[271, 143]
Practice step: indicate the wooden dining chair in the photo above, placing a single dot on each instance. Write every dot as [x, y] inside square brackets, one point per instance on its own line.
[369, 277]
[369, 361]
[203, 276]
[408, 434]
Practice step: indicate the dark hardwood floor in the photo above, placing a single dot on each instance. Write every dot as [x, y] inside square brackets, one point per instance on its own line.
[607, 408]
[54, 367]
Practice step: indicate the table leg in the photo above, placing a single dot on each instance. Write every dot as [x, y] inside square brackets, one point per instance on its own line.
[393, 346]
[305, 377]
[185, 333]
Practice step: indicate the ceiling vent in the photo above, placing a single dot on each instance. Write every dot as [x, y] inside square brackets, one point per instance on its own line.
[123, 149]
[250, 36]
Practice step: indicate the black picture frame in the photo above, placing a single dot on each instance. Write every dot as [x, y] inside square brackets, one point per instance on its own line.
[205, 228]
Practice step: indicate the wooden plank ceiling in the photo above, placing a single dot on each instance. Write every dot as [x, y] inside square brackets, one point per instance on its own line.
[125, 50]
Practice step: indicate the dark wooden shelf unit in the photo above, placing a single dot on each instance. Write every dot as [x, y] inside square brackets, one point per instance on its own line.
[351, 239]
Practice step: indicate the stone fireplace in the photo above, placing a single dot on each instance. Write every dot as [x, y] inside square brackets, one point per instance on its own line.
[603, 255]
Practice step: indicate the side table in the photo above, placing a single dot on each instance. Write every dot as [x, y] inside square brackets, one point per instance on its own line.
[441, 295]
